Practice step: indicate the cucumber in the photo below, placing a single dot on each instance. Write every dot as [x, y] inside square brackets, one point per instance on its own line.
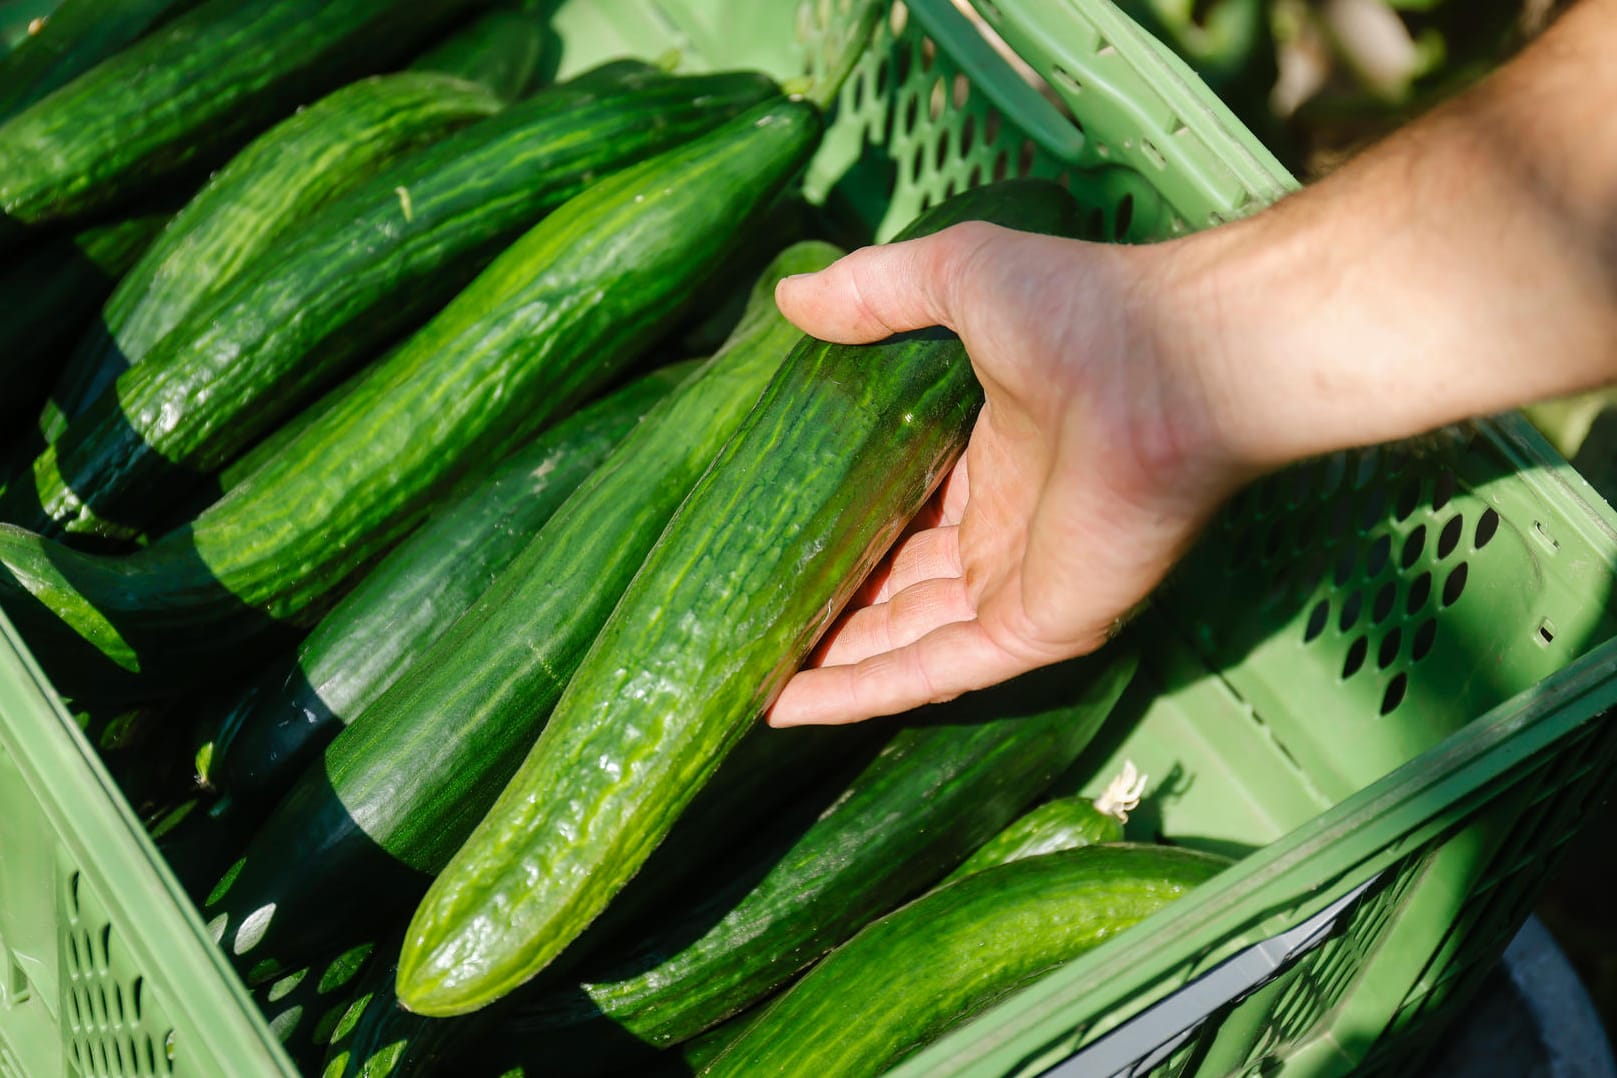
[501, 49]
[555, 317]
[911, 976]
[841, 451]
[364, 269]
[188, 94]
[21, 19]
[78, 35]
[245, 209]
[698, 1052]
[374, 1038]
[280, 721]
[305, 1008]
[1067, 823]
[768, 770]
[275, 442]
[941, 785]
[264, 450]
[399, 789]
[52, 294]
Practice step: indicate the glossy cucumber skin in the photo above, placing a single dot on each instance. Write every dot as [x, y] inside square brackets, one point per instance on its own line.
[363, 270]
[257, 198]
[940, 787]
[910, 976]
[189, 93]
[405, 782]
[381, 628]
[550, 321]
[1067, 823]
[77, 35]
[769, 771]
[841, 451]
[263, 451]
[377, 1039]
[20, 18]
[52, 292]
[500, 49]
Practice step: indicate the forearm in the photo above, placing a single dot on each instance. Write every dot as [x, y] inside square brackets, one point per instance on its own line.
[1467, 265]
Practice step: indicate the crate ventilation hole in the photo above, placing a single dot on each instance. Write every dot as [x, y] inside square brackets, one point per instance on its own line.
[941, 137]
[109, 1019]
[1386, 577]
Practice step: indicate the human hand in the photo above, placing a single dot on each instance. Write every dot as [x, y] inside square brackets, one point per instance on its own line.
[1093, 464]
[1461, 267]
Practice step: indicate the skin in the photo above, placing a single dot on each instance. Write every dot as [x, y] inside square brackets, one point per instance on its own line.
[1465, 266]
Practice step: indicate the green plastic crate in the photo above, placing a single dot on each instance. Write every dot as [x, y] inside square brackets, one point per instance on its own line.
[1377, 678]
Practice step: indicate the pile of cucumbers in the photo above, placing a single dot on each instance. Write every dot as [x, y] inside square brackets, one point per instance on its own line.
[361, 495]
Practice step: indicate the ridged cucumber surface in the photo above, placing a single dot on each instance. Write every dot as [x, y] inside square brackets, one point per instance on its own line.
[947, 780]
[500, 49]
[366, 268]
[52, 293]
[191, 92]
[78, 35]
[769, 775]
[398, 790]
[1067, 823]
[282, 720]
[841, 451]
[911, 976]
[249, 205]
[555, 317]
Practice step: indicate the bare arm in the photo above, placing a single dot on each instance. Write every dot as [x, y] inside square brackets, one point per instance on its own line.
[1467, 265]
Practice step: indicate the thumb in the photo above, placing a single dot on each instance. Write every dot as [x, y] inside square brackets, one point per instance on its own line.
[876, 292]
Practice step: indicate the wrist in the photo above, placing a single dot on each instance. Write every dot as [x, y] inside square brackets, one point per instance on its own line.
[1207, 315]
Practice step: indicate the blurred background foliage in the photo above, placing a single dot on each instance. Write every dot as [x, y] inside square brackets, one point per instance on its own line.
[1319, 78]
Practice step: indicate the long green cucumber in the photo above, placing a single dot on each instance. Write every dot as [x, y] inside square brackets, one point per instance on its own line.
[768, 772]
[404, 783]
[550, 321]
[264, 450]
[275, 442]
[263, 193]
[275, 727]
[496, 364]
[365, 268]
[940, 787]
[1066, 823]
[841, 451]
[501, 49]
[78, 35]
[52, 293]
[186, 95]
[911, 976]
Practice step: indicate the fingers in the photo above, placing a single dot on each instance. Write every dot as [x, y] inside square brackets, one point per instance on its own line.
[908, 616]
[926, 555]
[944, 508]
[954, 493]
[941, 665]
[876, 292]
